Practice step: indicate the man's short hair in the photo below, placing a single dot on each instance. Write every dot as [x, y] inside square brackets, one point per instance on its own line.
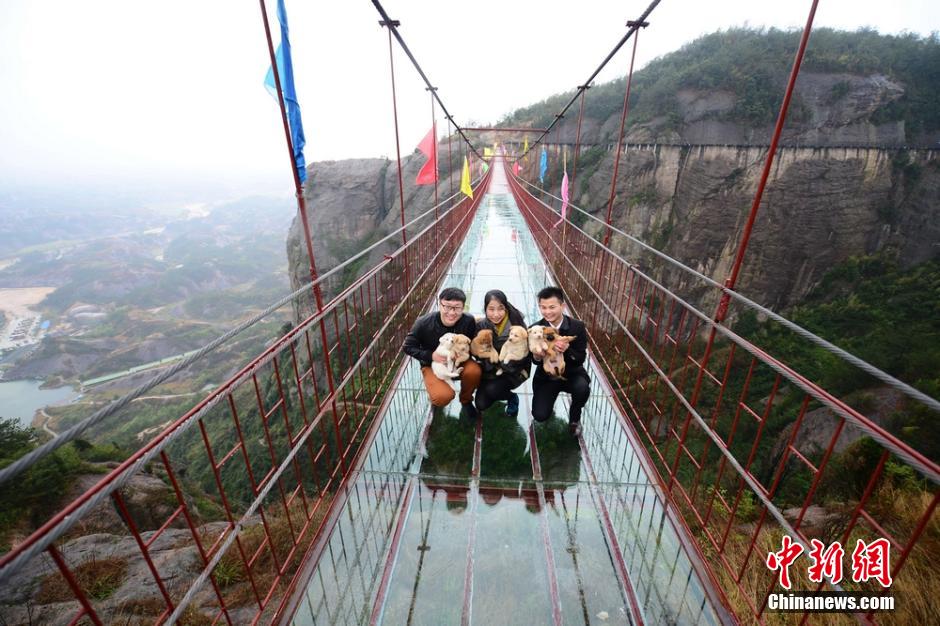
[452, 293]
[552, 292]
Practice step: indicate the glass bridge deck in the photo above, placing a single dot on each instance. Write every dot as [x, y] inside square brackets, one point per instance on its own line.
[501, 521]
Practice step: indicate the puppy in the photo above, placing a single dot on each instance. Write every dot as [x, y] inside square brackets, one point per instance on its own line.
[517, 345]
[536, 338]
[460, 350]
[554, 361]
[447, 371]
[482, 346]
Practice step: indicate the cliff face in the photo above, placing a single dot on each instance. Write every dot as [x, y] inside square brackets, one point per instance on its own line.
[820, 207]
[354, 203]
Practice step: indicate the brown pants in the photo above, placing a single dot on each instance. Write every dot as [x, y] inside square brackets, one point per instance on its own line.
[441, 393]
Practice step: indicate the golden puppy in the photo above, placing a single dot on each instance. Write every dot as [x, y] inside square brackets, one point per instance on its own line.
[460, 349]
[482, 346]
[517, 345]
[554, 362]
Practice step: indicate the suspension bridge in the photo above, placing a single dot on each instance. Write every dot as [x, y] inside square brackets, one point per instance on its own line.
[345, 500]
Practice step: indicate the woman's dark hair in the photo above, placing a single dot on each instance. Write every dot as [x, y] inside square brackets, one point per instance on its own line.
[515, 317]
[452, 293]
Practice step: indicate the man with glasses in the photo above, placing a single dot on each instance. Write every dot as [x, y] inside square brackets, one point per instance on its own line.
[423, 340]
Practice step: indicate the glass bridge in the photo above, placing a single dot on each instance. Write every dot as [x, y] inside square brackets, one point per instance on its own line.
[501, 520]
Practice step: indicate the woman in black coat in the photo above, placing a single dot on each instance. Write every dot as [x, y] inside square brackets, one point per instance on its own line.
[500, 316]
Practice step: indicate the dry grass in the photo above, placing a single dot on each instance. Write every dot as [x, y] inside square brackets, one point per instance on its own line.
[231, 572]
[146, 610]
[99, 578]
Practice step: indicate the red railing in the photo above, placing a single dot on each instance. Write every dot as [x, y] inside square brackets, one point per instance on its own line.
[253, 469]
[745, 448]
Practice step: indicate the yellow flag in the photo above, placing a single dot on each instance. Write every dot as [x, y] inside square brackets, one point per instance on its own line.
[487, 153]
[465, 179]
[525, 148]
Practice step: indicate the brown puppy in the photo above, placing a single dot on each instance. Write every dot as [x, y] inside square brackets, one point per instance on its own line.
[482, 346]
[460, 349]
[554, 361]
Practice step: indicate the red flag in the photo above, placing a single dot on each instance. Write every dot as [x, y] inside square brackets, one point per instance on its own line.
[428, 147]
[516, 168]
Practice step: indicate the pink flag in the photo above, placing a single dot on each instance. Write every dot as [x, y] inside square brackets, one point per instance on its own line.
[428, 147]
[516, 168]
[564, 199]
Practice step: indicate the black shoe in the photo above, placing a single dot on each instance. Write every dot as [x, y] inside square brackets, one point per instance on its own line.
[574, 428]
[512, 405]
[469, 411]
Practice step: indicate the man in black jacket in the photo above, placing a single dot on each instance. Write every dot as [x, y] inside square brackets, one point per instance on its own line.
[423, 340]
[545, 389]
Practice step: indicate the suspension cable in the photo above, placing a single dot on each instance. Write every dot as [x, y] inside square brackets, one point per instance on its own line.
[633, 27]
[392, 26]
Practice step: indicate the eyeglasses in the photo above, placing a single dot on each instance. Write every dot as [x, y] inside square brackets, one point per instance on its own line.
[451, 309]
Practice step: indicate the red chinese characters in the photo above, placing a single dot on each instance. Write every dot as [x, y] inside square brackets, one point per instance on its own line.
[783, 559]
[826, 562]
[872, 560]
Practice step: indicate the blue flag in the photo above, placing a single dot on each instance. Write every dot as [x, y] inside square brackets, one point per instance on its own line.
[543, 166]
[285, 71]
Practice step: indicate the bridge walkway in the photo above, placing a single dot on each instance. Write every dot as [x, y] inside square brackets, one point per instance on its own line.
[501, 519]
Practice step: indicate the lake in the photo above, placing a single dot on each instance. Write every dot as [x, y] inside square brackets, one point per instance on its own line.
[22, 398]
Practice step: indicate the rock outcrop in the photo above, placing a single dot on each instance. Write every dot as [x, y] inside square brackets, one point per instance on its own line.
[821, 206]
[352, 204]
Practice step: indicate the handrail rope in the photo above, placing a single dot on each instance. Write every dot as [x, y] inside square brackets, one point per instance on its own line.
[927, 467]
[53, 529]
[301, 439]
[392, 25]
[743, 474]
[865, 366]
[34, 456]
[633, 26]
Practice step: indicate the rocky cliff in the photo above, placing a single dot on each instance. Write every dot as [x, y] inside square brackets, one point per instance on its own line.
[821, 206]
[351, 204]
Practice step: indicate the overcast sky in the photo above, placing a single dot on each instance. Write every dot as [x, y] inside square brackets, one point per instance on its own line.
[112, 92]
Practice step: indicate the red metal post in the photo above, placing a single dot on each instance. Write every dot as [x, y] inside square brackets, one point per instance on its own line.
[577, 139]
[298, 191]
[401, 184]
[434, 130]
[771, 152]
[450, 160]
[722, 308]
[623, 119]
